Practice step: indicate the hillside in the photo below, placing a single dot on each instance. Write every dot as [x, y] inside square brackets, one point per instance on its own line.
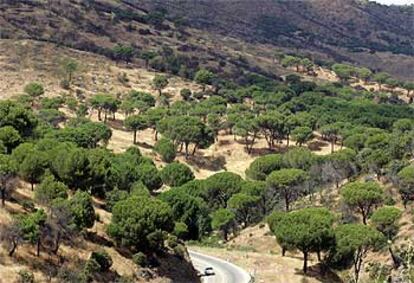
[277, 135]
[361, 33]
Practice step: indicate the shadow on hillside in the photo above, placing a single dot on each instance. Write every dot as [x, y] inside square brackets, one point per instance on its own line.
[262, 151]
[207, 162]
[98, 239]
[317, 145]
[173, 267]
[322, 274]
[144, 145]
[115, 124]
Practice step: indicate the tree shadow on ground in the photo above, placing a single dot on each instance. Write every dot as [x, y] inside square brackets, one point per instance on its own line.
[98, 239]
[321, 273]
[173, 267]
[115, 124]
[317, 145]
[144, 145]
[210, 163]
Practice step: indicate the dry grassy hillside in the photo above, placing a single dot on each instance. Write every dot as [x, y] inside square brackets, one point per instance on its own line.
[26, 61]
[350, 30]
[361, 32]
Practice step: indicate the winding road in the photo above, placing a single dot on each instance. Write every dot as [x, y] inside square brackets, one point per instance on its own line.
[225, 272]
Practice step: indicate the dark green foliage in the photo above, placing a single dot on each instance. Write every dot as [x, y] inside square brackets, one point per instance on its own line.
[194, 188]
[15, 115]
[103, 259]
[363, 197]
[385, 219]
[34, 89]
[186, 130]
[8, 169]
[49, 190]
[33, 166]
[69, 67]
[176, 174]
[343, 71]
[135, 123]
[87, 135]
[10, 138]
[220, 187]
[248, 128]
[112, 197]
[190, 210]
[26, 276]
[288, 183]
[82, 209]
[180, 230]
[90, 268]
[139, 189]
[272, 124]
[302, 135]
[124, 171]
[100, 170]
[149, 176]
[406, 184]
[245, 207]
[263, 166]
[204, 77]
[185, 94]
[140, 259]
[71, 166]
[137, 100]
[31, 226]
[159, 83]
[223, 220]
[166, 149]
[105, 103]
[300, 158]
[308, 230]
[123, 52]
[357, 240]
[51, 103]
[51, 116]
[135, 220]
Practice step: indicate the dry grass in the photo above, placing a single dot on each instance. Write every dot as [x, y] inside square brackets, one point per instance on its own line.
[26, 61]
[226, 154]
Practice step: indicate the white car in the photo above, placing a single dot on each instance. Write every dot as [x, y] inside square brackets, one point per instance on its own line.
[209, 271]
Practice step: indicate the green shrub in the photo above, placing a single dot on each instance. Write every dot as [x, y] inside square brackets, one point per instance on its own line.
[179, 251]
[139, 189]
[263, 166]
[112, 197]
[28, 205]
[176, 174]
[91, 267]
[26, 276]
[166, 149]
[180, 230]
[378, 272]
[150, 176]
[185, 94]
[65, 84]
[172, 241]
[103, 259]
[140, 259]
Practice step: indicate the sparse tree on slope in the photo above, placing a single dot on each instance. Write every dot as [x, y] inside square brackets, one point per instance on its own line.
[362, 197]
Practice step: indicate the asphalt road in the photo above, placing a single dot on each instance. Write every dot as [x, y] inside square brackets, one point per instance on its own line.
[225, 272]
